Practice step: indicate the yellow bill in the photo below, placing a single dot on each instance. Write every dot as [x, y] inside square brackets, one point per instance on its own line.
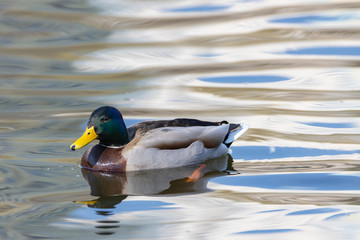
[85, 139]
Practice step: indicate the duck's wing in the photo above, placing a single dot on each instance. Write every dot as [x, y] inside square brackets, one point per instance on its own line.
[182, 137]
[146, 126]
[234, 130]
[175, 146]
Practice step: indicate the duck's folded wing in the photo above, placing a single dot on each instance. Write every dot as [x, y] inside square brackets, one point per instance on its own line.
[182, 137]
[146, 126]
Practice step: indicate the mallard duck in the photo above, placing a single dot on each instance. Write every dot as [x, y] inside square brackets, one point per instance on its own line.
[152, 144]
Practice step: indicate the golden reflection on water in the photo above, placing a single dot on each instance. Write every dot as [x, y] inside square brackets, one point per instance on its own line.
[152, 60]
[321, 199]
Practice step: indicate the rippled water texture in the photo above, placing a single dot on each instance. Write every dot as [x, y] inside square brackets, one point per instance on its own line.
[290, 69]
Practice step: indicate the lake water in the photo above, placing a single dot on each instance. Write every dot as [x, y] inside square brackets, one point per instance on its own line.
[290, 69]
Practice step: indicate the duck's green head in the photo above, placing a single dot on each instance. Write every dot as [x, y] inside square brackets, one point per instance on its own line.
[106, 124]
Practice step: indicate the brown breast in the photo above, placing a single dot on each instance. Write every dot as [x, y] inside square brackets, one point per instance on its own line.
[101, 158]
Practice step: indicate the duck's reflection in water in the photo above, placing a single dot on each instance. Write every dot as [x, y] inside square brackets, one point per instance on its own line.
[113, 187]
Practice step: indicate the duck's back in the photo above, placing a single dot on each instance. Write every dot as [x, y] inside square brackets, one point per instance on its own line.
[146, 126]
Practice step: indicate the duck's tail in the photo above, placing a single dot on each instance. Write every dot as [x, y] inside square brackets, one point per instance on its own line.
[235, 131]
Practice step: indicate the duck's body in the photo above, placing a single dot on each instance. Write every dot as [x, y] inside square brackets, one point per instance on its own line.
[153, 144]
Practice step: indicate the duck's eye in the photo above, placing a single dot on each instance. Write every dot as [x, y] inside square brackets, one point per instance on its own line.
[105, 119]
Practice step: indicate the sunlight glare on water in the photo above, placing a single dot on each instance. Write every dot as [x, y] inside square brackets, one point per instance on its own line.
[290, 69]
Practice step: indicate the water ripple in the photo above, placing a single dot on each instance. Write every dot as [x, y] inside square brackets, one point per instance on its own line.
[289, 69]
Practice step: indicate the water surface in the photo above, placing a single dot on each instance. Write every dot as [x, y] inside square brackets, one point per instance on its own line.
[289, 69]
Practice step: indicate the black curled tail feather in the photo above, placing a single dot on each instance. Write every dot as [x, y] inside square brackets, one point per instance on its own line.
[233, 127]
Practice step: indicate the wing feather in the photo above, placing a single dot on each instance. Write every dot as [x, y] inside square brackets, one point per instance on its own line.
[182, 137]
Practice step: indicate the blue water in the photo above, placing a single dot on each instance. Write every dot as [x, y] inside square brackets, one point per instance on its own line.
[266, 152]
[297, 181]
[199, 8]
[314, 18]
[340, 51]
[244, 79]
[288, 69]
